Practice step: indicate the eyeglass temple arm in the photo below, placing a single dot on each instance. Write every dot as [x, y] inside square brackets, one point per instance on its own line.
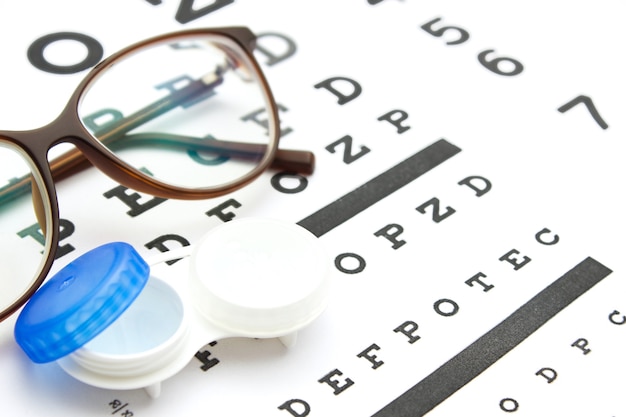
[73, 161]
[298, 161]
[286, 159]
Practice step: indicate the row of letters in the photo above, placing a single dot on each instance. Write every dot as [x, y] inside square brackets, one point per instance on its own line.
[373, 354]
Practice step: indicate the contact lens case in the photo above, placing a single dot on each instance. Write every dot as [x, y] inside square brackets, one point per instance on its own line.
[110, 323]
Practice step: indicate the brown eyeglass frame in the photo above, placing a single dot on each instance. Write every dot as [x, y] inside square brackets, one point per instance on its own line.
[68, 128]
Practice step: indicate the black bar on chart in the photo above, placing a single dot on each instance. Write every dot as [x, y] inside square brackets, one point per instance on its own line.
[477, 357]
[378, 188]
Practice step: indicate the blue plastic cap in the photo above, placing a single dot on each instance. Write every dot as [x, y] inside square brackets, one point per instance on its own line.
[80, 301]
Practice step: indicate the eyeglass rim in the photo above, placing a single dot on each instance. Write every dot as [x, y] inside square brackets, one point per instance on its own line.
[105, 160]
[51, 213]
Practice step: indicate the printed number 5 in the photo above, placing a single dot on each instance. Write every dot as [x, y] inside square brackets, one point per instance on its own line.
[463, 34]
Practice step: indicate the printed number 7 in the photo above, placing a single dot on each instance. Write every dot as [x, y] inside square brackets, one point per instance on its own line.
[590, 107]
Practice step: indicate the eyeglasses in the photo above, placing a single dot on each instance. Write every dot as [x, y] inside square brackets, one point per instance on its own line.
[166, 116]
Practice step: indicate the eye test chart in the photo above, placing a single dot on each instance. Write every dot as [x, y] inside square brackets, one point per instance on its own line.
[469, 192]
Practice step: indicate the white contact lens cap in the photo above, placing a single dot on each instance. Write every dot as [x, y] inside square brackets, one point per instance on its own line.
[259, 277]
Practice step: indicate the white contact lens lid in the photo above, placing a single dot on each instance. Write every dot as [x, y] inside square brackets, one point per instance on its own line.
[259, 277]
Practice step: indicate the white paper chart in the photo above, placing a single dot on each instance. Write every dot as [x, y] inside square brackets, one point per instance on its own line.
[469, 190]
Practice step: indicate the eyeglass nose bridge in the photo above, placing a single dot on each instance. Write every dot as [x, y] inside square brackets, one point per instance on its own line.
[66, 128]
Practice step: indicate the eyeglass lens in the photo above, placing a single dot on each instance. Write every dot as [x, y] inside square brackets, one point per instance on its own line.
[177, 111]
[22, 216]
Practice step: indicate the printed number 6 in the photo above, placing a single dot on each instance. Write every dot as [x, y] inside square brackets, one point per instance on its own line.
[493, 65]
[463, 34]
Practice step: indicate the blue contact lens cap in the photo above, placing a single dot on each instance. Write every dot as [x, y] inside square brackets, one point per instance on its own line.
[80, 301]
